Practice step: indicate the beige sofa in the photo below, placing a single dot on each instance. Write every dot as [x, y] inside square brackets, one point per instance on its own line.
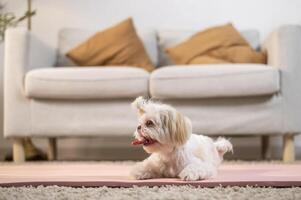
[227, 99]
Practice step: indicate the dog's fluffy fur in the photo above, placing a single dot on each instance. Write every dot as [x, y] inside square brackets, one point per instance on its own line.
[175, 151]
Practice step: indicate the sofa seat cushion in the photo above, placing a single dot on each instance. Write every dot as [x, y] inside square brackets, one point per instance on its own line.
[215, 80]
[86, 83]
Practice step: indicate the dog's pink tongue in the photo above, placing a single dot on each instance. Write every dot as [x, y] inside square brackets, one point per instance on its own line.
[137, 142]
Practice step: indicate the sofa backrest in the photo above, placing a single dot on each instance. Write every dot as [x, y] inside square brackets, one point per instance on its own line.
[155, 42]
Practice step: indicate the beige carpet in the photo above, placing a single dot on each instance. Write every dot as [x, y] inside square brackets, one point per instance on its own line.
[146, 193]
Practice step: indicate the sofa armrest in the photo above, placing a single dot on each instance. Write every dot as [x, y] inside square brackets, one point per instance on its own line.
[23, 52]
[283, 47]
[15, 56]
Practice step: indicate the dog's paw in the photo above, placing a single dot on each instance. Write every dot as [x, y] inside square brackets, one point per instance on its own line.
[139, 173]
[193, 173]
[142, 175]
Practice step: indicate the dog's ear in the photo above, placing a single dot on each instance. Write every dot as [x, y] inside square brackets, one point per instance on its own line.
[177, 125]
[139, 104]
[183, 129]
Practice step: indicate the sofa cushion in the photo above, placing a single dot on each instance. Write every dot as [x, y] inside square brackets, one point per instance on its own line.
[219, 44]
[170, 38]
[86, 83]
[69, 38]
[220, 80]
[117, 45]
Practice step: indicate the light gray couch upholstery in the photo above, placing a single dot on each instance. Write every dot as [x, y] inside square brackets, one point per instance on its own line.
[214, 81]
[229, 99]
[86, 83]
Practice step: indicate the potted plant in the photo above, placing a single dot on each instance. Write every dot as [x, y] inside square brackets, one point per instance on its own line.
[9, 19]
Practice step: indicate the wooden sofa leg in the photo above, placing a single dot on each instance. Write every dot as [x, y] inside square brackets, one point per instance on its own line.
[18, 151]
[288, 148]
[265, 147]
[52, 149]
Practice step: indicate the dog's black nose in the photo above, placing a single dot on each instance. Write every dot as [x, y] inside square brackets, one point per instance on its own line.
[139, 127]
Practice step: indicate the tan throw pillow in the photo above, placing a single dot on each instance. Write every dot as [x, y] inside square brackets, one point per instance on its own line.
[222, 44]
[118, 45]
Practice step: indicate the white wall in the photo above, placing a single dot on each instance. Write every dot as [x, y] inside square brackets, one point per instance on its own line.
[264, 15]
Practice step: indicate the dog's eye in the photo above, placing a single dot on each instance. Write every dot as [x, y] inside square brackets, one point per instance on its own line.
[149, 123]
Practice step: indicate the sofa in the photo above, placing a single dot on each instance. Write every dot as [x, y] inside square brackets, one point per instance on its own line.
[52, 98]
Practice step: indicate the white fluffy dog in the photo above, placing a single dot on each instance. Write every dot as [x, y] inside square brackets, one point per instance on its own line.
[175, 151]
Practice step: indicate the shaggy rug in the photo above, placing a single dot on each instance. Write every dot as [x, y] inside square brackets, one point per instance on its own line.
[150, 193]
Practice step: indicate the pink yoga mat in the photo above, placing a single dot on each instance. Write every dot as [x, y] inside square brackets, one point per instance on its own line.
[93, 174]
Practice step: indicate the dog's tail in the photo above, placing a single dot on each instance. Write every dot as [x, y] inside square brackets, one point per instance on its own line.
[223, 146]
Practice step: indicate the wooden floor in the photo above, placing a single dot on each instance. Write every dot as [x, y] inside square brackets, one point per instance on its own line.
[93, 174]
